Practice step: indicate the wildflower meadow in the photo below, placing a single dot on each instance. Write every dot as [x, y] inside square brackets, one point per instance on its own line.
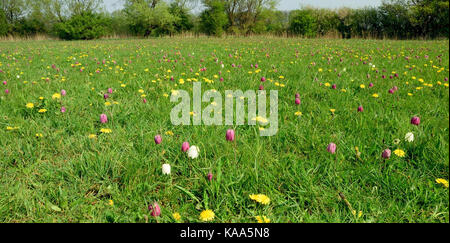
[362, 131]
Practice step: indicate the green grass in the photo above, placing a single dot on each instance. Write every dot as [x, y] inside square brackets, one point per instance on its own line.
[65, 176]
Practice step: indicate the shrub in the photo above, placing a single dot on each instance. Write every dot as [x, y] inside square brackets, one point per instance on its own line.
[85, 26]
[184, 20]
[3, 24]
[214, 19]
[302, 23]
[28, 27]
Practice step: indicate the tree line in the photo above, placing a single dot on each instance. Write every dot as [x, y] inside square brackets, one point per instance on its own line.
[89, 19]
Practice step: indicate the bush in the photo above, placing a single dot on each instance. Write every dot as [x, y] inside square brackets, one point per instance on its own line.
[3, 24]
[184, 21]
[85, 26]
[302, 23]
[214, 19]
[28, 27]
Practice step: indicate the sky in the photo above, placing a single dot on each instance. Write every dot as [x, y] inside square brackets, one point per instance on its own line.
[112, 5]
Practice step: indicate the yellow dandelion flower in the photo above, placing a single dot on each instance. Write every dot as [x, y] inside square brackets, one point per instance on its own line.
[298, 113]
[42, 110]
[260, 119]
[332, 110]
[56, 96]
[375, 95]
[362, 86]
[170, 133]
[262, 219]
[176, 216]
[444, 182]
[92, 136]
[105, 130]
[207, 215]
[260, 198]
[360, 213]
[107, 103]
[110, 202]
[399, 153]
[29, 105]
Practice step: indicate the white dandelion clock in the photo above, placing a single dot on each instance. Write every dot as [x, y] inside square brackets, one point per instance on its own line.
[166, 169]
[409, 137]
[193, 152]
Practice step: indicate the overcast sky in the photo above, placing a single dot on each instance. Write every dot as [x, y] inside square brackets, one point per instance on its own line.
[112, 5]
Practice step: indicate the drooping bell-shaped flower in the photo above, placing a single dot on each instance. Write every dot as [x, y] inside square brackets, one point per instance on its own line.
[230, 135]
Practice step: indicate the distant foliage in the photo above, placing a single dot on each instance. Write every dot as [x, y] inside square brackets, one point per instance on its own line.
[150, 18]
[213, 19]
[184, 22]
[29, 27]
[3, 23]
[396, 19]
[303, 23]
[85, 26]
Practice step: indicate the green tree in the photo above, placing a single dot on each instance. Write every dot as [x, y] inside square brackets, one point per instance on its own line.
[271, 21]
[150, 17]
[430, 17]
[78, 7]
[367, 23]
[395, 20]
[326, 21]
[117, 23]
[84, 26]
[345, 17]
[213, 18]
[245, 16]
[13, 9]
[28, 26]
[3, 23]
[184, 19]
[302, 23]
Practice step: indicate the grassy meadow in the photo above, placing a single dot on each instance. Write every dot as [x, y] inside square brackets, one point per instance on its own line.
[59, 163]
